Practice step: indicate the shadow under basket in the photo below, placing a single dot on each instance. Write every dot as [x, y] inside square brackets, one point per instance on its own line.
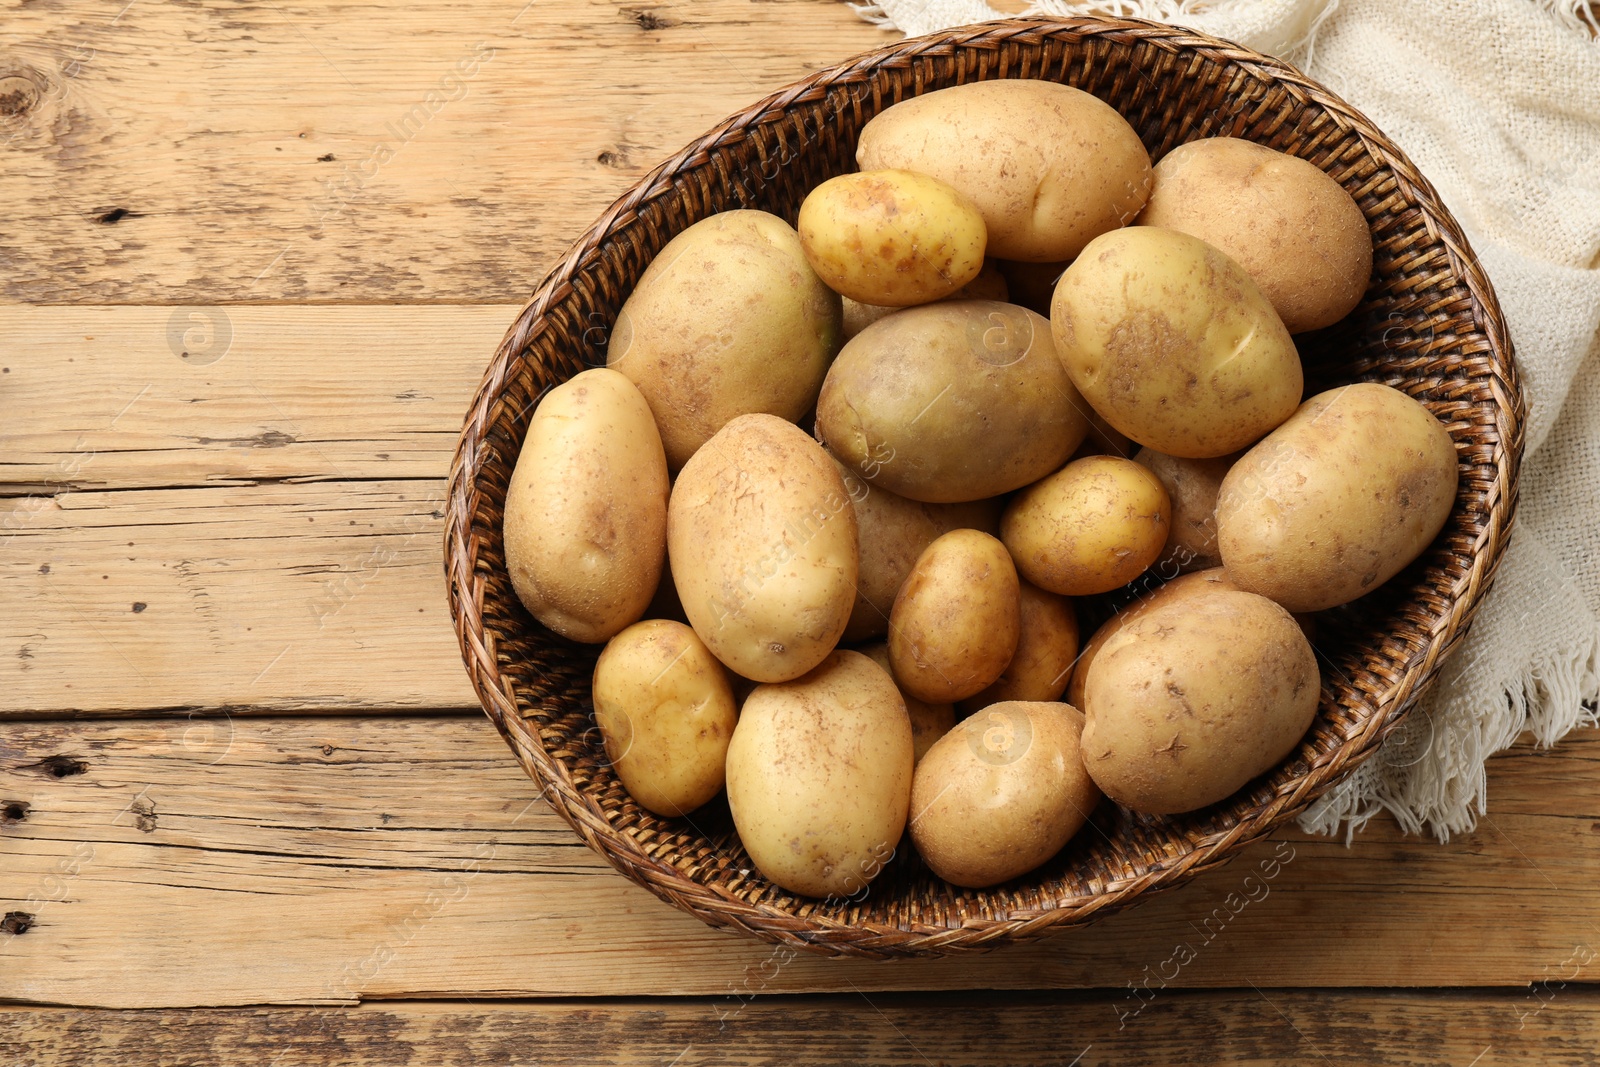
[1429, 325]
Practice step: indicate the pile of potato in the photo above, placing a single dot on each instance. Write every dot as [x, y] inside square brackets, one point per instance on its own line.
[873, 627]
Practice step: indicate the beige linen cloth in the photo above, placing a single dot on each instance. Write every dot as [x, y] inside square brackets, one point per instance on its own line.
[1498, 103]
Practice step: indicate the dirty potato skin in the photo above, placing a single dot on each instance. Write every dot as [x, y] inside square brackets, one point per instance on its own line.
[891, 237]
[1001, 793]
[1337, 500]
[988, 285]
[819, 776]
[1192, 486]
[666, 712]
[586, 509]
[762, 539]
[1047, 647]
[1191, 700]
[929, 722]
[952, 401]
[1291, 226]
[957, 619]
[1049, 166]
[1173, 343]
[728, 319]
[1092, 526]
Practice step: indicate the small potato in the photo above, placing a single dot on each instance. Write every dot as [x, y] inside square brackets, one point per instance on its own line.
[956, 621]
[954, 401]
[762, 540]
[891, 237]
[1047, 647]
[1191, 700]
[819, 777]
[988, 285]
[666, 712]
[1091, 527]
[1172, 342]
[929, 722]
[1049, 166]
[1292, 227]
[1001, 793]
[893, 532]
[727, 320]
[1192, 486]
[586, 508]
[1337, 500]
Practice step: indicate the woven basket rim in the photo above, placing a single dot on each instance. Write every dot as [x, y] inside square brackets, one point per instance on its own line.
[711, 902]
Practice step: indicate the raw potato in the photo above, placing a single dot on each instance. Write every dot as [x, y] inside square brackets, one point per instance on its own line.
[1292, 227]
[891, 237]
[956, 621]
[586, 509]
[763, 545]
[1049, 166]
[1190, 701]
[954, 401]
[893, 532]
[728, 319]
[1047, 646]
[1172, 342]
[1192, 486]
[666, 713]
[1091, 527]
[1001, 793]
[988, 285]
[1337, 500]
[929, 722]
[819, 776]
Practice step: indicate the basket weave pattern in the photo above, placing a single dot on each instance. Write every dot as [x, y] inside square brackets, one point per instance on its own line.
[1429, 325]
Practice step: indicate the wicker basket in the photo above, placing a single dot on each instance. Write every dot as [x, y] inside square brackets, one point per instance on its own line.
[1429, 325]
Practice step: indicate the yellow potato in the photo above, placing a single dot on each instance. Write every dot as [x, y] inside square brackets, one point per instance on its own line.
[954, 401]
[1192, 486]
[1001, 793]
[1047, 647]
[586, 509]
[929, 722]
[956, 621]
[819, 777]
[891, 237]
[1091, 527]
[1189, 701]
[1172, 342]
[1337, 500]
[727, 320]
[988, 285]
[666, 712]
[1292, 227]
[1049, 166]
[762, 540]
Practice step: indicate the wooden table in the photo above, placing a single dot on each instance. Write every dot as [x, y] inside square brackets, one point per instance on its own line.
[255, 258]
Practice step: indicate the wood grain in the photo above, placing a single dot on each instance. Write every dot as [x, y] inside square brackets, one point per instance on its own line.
[1245, 1028]
[161, 863]
[357, 150]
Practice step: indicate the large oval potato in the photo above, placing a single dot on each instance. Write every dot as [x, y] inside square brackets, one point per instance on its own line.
[586, 509]
[1049, 166]
[1001, 793]
[819, 776]
[1047, 647]
[666, 712]
[727, 320]
[1171, 341]
[1338, 499]
[1192, 485]
[1292, 227]
[929, 722]
[954, 401]
[891, 237]
[956, 620]
[1090, 527]
[762, 540]
[1190, 701]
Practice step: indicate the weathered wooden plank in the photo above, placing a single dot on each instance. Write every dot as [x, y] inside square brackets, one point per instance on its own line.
[1246, 1028]
[154, 863]
[357, 150]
